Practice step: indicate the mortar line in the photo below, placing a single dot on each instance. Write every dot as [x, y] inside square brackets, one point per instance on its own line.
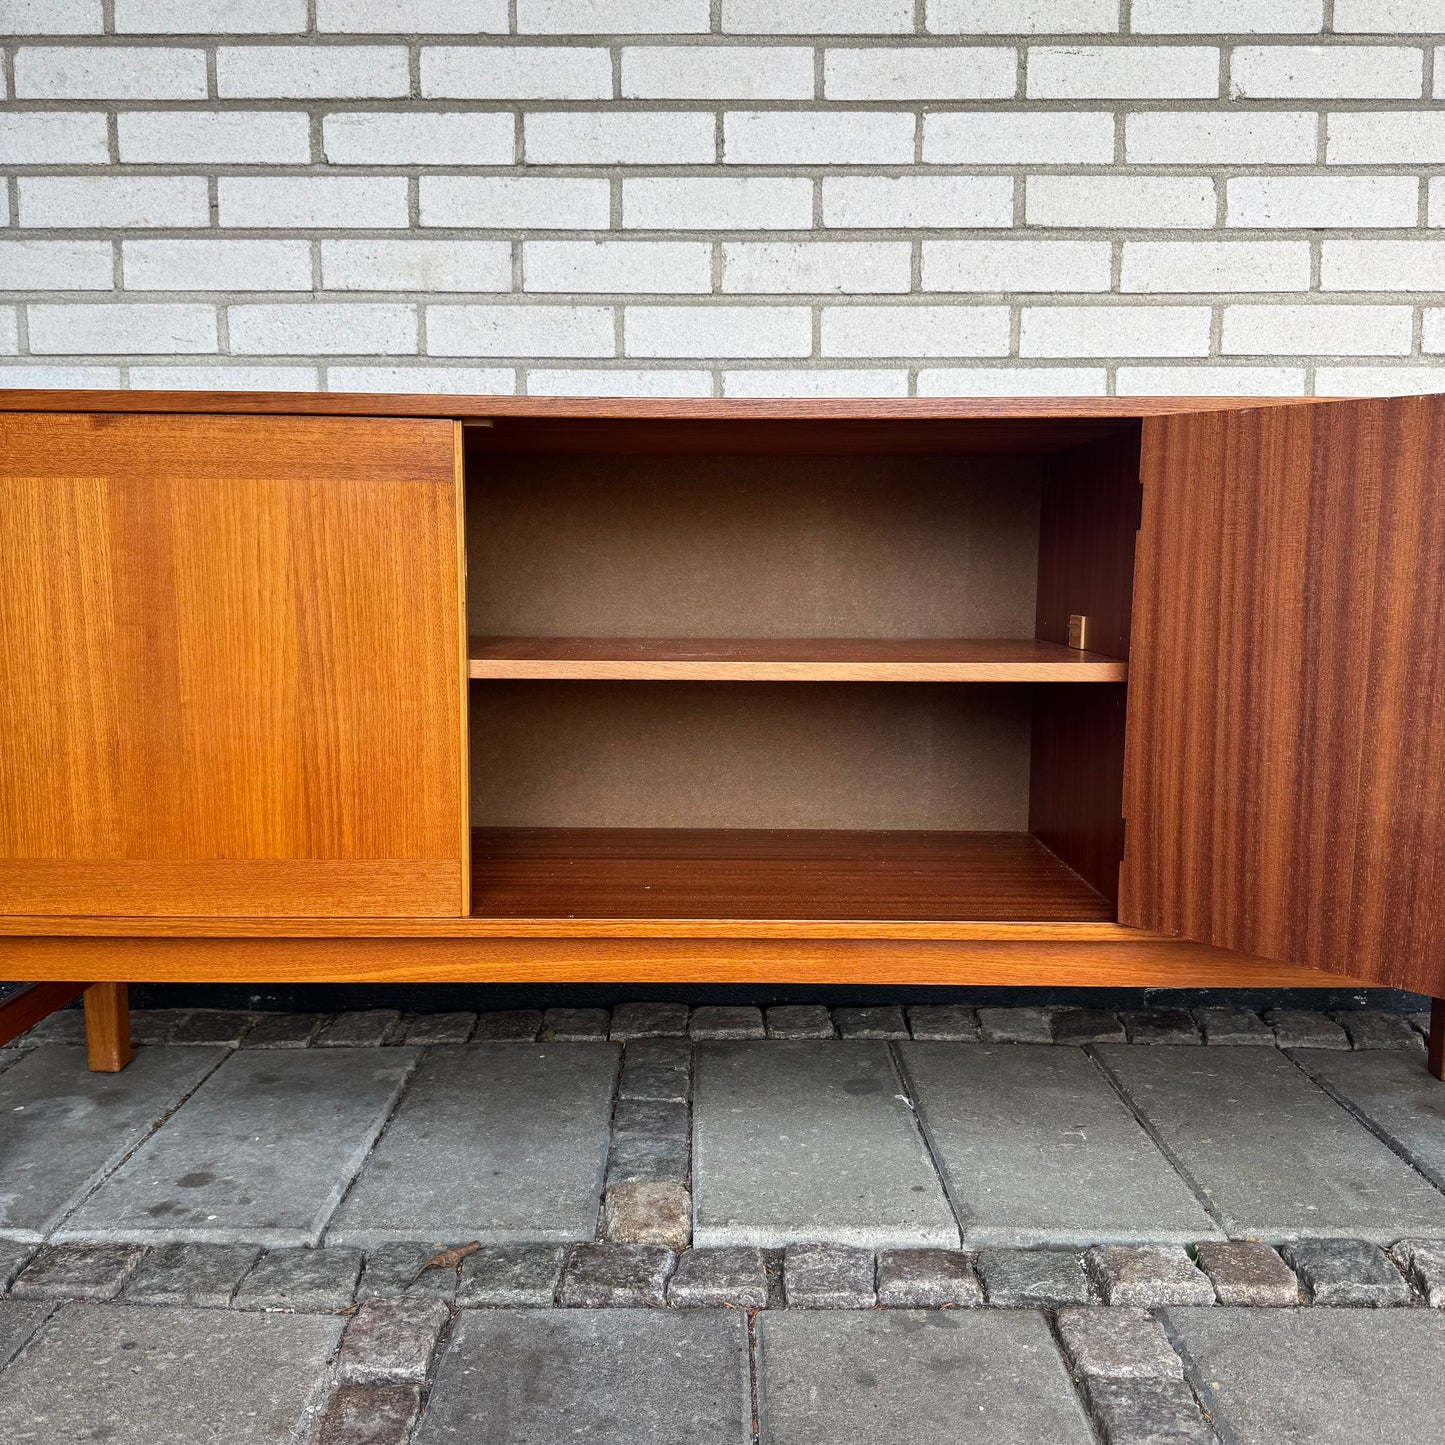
[955, 1204]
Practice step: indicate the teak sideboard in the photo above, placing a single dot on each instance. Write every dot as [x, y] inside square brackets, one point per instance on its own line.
[383, 688]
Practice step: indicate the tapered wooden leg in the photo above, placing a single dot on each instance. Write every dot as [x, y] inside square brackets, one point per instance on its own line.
[107, 1028]
[1436, 1062]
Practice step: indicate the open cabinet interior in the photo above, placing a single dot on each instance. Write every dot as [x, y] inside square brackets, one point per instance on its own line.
[792, 670]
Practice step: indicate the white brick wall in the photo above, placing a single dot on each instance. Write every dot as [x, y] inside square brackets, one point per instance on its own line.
[725, 197]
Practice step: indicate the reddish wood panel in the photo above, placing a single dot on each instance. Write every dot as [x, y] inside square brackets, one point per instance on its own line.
[1285, 782]
[23, 1010]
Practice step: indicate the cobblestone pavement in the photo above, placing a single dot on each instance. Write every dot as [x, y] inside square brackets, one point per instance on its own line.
[798, 1227]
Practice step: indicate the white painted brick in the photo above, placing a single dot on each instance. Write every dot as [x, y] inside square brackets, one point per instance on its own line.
[116, 329]
[918, 201]
[1211, 137]
[818, 17]
[304, 72]
[1322, 201]
[76, 72]
[1013, 381]
[1341, 72]
[1114, 331]
[225, 378]
[244, 137]
[1227, 17]
[1436, 214]
[817, 267]
[9, 331]
[1386, 138]
[809, 138]
[51, 17]
[315, 328]
[609, 138]
[655, 266]
[374, 265]
[430, 380]
[1017, 265]
[710, 331]
[118, 201]
[43, 137]
[854, 381]
[1434, 331]
[419, 17]
[1134, 72]
[61, 378]
[1023, 17]
[1155, 202]
[1382, 266]
[696, 203]
[408, 138]
[618, 382]
[517, 72]
[612, 17]
[1315, 328]
[1006, 138]
[278, 202]
[1215, 266]
[209, 17]
[527, 330]
[980, 72]
[717, 72]
[1371, 380]
[216, 265]
[56, 266]
[915, 331]
[1388, 17]
[1210, 381]
[510, 203]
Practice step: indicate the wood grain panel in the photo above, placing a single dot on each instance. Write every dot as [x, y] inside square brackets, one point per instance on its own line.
[1285, 783]
[234, 647]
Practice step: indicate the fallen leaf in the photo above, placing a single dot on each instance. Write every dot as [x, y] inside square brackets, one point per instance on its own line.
[446, 1259]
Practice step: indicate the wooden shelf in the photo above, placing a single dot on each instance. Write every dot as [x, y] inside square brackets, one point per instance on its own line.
[727, 659]
[595, 873]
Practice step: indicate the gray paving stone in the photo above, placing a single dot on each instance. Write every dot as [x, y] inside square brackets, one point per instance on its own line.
[803, 1141]
[505, 1024]
[657, 1069]
[648, 1020]
[64, 1026]
[1033, 1278]
[610, 1276]
[13, 1258]
[1085, 1026]
[390, 1342]
[1305, 1029]
[370, 1415]
[1148, 1275]
[19, 1319]
[799, 1021]
[301, 1279]
[214, 1026]
[828, 1277]
[722, 1021]
[927, 1279]
[1117, 1344]
[717, 1278]
[1039, 1149]
[1420, 1022]
[1245, 1272]
[870, 1023]
[499, 1143]
[365, 1028]
[648, 1214]
[1233, 1026]
[511, 1276]
[1159, 1026]
[261, 1152]
[66, 1128]
[1318, 1377]
[452, 1028]
[190, 1274]
[1273, 1154]
[609, 1377]
[898, 1377]
[283, 1031]
[1014, 1026]
[943, 1023]
[1148, 1412]
[135, 1376]
[651, 1143]
[575, 1024]
[77, 1271]
[155, 1025]
[1423, 1261]
[1347, 1272]
[394, 1270]
[1376, 1029]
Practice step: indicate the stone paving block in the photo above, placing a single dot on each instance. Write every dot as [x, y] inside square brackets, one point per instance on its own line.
[650, 1143]
[1375, 1029]
[870, 1023]
[717, 1278]
[1159, 1026]
[659, 1069]
[724, 1021]
[609, 1377]
[135, 1376]
[504, 1024]
[1033, 1278]
[1347, 1272]
[283, 1031]
[77, 1272]
[900, 1377]
[1423, 1261]
[394, 1270]
[390, 1342]
[500, 1143]
[1014, 1026]
[610, 1276]
[214, 1026]
[261, 1153]
[370, 1415]
[1315, 1376]
[1275, 1157]
[1147, 1274]
[49, 1096]
[1420, 1022]
[511, 1276]
[1305, 1029]
[1039, 1149]
[1148, 1412]
[364, 1028]
[799, 1021]
[943, 1023]
[927, 1279]
[1117, 1344]
[648, 1020]
[1245, 1272]
[648, 1214]
[450, 1028]
[301, 1279]
[64, 1026]
[19, 1319]
[1232, 1026]
[1085, 1026]
[801, 1140]
[155, 1025]
[828, 1277]
[575, 1024]
[190, 1274]
[13, 1258]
